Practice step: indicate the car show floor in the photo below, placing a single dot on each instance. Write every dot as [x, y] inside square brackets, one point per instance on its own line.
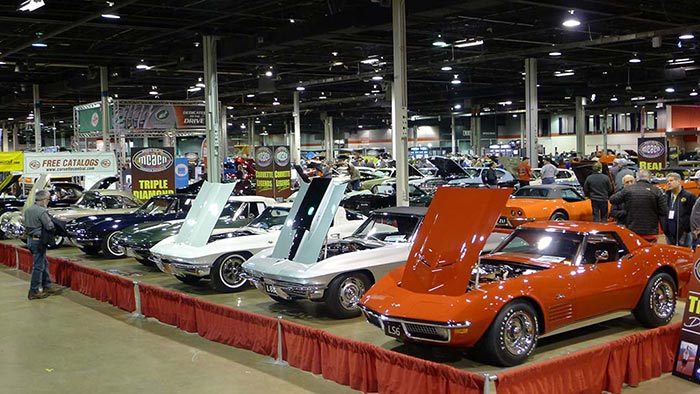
[72, 342]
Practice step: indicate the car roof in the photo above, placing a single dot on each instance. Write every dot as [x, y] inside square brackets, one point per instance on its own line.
[576, 226]
[419, 211]
[549, 186]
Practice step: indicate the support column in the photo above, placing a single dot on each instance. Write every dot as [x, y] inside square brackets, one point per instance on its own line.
[328, 134]
[475, 130]
[14, 138]
[399, 111]
[296, 149]
[531, 119]
[580, 126]
[523, 127]
[604, 125]
[5, 137]
[454, 136]
[37, 119]
[211, 103]
[104, 94]
[251, 137]
[223, 137]
[145, 142]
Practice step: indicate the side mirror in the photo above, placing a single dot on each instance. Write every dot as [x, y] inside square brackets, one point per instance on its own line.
[601, 255]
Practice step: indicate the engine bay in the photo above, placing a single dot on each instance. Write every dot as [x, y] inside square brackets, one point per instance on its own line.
[494, 271]
[344, 246]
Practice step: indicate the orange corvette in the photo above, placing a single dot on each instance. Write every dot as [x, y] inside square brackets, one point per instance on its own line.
[545, 202]
[543, 279]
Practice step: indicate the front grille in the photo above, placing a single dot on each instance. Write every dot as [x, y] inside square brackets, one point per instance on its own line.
[422, 331]
[373, 319]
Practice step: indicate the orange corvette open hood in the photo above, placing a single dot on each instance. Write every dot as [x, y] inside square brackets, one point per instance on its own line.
[448, 244]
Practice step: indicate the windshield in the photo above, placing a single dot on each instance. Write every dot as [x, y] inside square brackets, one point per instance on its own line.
[271, 216]
[529, 192]
[543, 245]
[155, 206]
[388, 228]
[230, 214]
[472, 172]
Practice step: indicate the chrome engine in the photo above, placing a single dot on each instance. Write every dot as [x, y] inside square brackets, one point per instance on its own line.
[487, 272]
[12, 224]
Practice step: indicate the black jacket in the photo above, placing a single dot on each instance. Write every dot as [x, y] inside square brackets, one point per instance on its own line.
[645, 205]
[489, 177]
[685, 201]
[598, 187]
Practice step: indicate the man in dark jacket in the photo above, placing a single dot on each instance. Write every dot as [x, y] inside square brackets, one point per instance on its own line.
[645, 204]
[489, 176]
[617, 211]
[598, 188]
[680, 205]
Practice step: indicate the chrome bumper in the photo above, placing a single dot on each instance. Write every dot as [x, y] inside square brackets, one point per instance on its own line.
[412, 329]
[289, 290]
[179, 269]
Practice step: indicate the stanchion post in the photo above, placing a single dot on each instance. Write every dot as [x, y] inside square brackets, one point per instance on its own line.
[137, 299]
[278, 360]
[489, 382]
[16, 259]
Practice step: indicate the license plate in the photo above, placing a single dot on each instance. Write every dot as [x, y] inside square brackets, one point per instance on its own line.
[393, 329]
[502, 221]
[270, 289]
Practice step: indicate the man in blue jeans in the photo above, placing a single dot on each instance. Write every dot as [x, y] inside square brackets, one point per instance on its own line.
[37, 218]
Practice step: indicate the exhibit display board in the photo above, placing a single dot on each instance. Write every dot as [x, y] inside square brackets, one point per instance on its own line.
[152, 172]
[686, 363]
[89, 117]
[11, 161]
[69, 163]
[652, 153]
[273, 172]
[142, 116]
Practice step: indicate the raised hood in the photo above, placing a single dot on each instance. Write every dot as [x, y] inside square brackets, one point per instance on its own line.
[39, 184]
[306, 227]
[447, 167]
[7, 182]
[447, 246]
[202, 216]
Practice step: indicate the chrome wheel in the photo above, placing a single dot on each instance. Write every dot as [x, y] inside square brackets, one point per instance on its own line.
[231, 271]
[351, 290]
[663, 299]
[519, 333]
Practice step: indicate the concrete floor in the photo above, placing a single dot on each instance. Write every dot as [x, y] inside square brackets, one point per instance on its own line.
[71, 343]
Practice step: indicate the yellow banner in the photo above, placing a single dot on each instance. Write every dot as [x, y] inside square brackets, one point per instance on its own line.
[11, 162]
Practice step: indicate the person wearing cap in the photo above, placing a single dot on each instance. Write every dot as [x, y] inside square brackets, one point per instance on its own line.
[549, 172]
[621, 172]
[524, 172]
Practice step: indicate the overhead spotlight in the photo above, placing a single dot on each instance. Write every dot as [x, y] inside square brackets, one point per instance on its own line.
[193, 89]
[30, 5]
[681, 61]
[670, 90]
[446, 68]
[555, 53]
[369, 60]
[301, 88]
[439, 42]
[275, 102]
[39, 45]
[377, 78]
[249, 95]
[686, 36]
[635, 59]
[154, 91]
[693, 93]
[571, 21]
[565, 73]
[142, 66]
[229, 107]
[322, 96]
[200, 83]
[10, 119]
[613, 98]
[268, 73]
[504, 103]
[292, 20]
[467, 43]
[455, 80]
[243, 126]
[458, 106]
[111, 15]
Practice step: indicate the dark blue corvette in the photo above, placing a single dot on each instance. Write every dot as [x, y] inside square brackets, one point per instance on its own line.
[93, 234]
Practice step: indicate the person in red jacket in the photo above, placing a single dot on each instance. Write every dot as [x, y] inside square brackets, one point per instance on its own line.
[524, 172]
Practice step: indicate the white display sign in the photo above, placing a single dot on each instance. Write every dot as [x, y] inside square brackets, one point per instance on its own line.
[69, 163]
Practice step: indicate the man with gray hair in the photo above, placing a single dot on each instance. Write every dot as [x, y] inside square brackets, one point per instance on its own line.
[36, 219]
[621, 172]
[645, 205]
[680, 205]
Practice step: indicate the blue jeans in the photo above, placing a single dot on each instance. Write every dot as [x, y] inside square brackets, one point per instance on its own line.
[600, 211]
[40, 267]
[547, 181]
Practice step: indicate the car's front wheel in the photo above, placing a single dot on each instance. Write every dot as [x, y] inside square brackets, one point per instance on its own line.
[110, 249]
[512, 336]
[227, 273]
[559, 216]
[345, 292]
[658, 301]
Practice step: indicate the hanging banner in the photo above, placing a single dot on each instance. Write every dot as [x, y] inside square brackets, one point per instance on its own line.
[11, 161]
[152, 172]
[686, 363]
[90, 120]
[652, 153]
[145, 117]
[69, 163]
[273, 172]
[182, 172]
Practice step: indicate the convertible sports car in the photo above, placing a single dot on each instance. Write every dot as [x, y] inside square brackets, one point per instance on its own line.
[365, 203]
[199, 251]
[93, 234]
[545, 278]
[140, 238]
[545, 202]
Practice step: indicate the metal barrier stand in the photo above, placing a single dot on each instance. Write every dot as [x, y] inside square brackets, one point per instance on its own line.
[137, 299]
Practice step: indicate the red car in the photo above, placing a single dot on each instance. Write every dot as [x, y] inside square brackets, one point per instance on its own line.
[544, 278]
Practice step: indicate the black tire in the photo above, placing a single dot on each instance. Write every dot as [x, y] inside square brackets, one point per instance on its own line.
[282, 300]
[345, 292]
[559, 216]
[658, 301]
[110, 249]
[146, 262]
[226, 273]
[58, 242]
[90, 250]
[512, 336]
[189, 279]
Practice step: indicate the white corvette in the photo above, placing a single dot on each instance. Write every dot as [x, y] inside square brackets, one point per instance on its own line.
[196, 252]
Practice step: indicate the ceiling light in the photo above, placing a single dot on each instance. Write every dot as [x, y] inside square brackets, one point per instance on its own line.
[229, 107]
[243, 126]
[199, 83]
[301, 88]
[377, 78]
[693, 93]
[322, 97]
[360, 126]
[555, 53]
[613, 98]
[39, 45]
[593, 97]
[638, 98]
[467, 43]
[268, 73]
[142, 66]
[337, 64]
[456, 80]
[635, 59]
[334, 53]
[249, 95]
[446, 68]
[369, 60]
[567, 97]
[439, 42]
[670, 90]
[111, 15]
[275, 103]
[565, 73]
[154, 91]
[30, 5]
[292, 20]
[678, 62]
[458, 106]
[686, 37]
[10, 118]
[505, 102]
[193, 89]
[571, 21]
[2, 63]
